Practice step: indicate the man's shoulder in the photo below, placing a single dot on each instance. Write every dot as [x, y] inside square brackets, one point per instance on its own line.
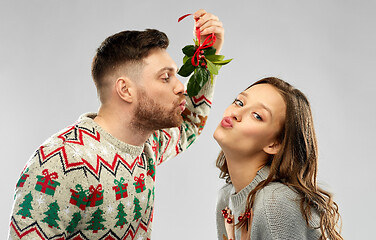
[66, 142]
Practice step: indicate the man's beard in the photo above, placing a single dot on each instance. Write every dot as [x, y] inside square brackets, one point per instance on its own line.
[151, 116]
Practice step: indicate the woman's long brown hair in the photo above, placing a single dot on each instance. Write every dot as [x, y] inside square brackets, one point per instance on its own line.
[295, 165]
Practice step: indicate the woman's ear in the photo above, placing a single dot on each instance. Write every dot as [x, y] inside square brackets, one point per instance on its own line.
[125, 89]
[272, 148]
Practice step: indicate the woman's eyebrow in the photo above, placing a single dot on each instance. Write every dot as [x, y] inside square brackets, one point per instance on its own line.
[259, 103]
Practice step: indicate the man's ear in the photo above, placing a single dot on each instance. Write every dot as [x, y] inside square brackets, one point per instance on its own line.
[125, 89]
[272, 148]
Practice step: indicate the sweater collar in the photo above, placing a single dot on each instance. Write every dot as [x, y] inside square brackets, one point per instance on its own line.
[88, 120]
[238, 199]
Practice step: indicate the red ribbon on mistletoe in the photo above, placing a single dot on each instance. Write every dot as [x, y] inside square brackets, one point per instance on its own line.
[201, 60]
[208, 42]
[48, 176]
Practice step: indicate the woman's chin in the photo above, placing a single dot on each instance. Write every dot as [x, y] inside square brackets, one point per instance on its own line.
[221, 139]
[218, 135]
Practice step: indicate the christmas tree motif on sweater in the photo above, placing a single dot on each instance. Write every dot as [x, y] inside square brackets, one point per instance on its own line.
[151, 169]
[96, 196]
[139, 185]
[45, 184]
[95, 222]
[137, 209]
[23, 178]
[120, 189]
[26, 206]
[121, 216]
[74, 222]
[79, 198]
[52, 215]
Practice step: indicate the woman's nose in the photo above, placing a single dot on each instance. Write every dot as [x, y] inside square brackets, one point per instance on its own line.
[236, 115]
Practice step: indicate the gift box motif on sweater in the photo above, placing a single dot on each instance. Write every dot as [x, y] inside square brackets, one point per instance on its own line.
[79, 198]
[120, 189]
[45, 184]
[140, 183]
[96, 196]
[23, 178]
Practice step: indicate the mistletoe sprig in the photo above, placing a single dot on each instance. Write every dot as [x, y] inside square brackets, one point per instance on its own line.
[201, 60]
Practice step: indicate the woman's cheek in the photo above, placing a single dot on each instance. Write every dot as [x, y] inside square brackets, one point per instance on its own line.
[253, 131]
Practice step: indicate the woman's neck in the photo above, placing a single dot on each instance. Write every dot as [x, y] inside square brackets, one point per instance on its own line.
[243, 169]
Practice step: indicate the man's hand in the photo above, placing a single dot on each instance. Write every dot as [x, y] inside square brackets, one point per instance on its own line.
[209, 23]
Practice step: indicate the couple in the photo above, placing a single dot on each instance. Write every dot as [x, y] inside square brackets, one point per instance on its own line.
[95, 179]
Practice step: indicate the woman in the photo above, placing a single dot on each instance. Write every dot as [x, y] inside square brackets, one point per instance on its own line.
[269, 162]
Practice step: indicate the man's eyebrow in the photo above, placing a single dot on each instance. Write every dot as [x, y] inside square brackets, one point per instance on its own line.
[170, 69]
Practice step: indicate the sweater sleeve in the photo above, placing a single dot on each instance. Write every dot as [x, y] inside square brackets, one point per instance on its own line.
[167, 143]
[44, 199]
[282, 216]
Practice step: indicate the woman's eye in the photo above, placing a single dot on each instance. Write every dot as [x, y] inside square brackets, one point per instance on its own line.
[238, 102]
[257, 116]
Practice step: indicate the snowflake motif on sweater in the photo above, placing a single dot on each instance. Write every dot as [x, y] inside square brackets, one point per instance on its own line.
[82, 183]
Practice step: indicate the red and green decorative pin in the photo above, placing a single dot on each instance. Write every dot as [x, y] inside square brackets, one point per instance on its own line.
[201, 60]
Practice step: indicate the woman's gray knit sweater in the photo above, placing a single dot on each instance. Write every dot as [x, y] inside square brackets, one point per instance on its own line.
[276, 211]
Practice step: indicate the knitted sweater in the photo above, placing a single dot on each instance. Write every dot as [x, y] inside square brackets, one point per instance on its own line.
[83, 183]
[276, 211]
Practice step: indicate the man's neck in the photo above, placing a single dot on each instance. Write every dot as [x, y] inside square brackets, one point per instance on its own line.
[118, 124]
[243, 169]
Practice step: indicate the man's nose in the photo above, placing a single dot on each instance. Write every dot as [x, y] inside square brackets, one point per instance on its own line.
[179, 88]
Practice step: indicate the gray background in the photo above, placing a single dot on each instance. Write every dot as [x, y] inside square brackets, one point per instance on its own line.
[325, 48]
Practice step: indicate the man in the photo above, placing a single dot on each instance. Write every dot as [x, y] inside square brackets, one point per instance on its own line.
[95, 179]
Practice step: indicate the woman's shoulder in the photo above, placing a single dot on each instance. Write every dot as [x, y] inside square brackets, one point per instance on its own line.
[277, 211]
[277, 197]
[225, 189]
[279, 192]
[282, 203]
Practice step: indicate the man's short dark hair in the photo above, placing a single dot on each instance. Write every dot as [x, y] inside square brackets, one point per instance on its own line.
[125, 47]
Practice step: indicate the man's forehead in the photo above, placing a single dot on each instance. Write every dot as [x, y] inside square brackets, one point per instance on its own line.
[161, 58]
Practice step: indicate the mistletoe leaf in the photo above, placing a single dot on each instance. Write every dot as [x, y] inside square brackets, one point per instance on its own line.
[197, 81]
[189, 50]
[212, 67]
[223, 62]
[187, 68]
[209, 51]
[193, 86]
[185, 58]
[214, 58]
[204, 74]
